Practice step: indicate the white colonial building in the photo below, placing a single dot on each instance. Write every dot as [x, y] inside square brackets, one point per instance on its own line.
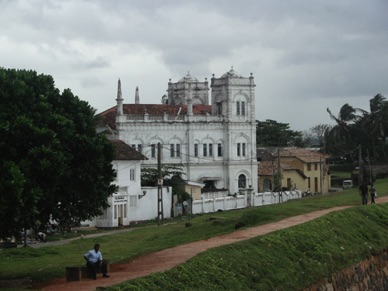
[215, 143]
[131, 202]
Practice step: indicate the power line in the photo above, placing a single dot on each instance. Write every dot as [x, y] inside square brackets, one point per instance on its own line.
[201, 158]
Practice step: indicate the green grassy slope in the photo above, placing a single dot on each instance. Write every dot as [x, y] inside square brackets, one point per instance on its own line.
[49, 262]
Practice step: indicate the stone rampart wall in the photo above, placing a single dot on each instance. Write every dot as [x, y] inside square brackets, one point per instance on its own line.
[369, 274]
[377, 170]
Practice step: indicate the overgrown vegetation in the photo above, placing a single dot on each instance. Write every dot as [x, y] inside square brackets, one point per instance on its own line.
[259, 263]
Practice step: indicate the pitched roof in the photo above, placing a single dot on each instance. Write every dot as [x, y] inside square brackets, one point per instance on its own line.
[265, 154]
[124, 151]
[305, 155]
[109, 116]
[268, 168]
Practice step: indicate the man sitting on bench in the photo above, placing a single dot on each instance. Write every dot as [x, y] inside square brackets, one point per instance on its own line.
[94, 262]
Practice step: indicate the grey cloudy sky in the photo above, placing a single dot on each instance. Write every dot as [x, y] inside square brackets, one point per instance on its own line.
[305, 55]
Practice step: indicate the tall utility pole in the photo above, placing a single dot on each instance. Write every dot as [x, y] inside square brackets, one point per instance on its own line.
[360, 168]
[280, 178]
[370, 168]
[160, 186]
[321, 173]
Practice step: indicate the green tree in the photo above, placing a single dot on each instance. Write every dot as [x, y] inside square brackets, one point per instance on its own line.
[53, 164]
[367, 129]
[319, 132]
[343, 136]
[271, 133]
[172, 175]
[375, 125]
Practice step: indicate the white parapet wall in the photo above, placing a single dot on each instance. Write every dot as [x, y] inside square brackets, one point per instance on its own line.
[243, 201]
[146, 207]
[134, 206]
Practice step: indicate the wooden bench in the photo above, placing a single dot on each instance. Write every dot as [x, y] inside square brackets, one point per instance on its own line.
[76, 273]
[73, 273]
[85, 272]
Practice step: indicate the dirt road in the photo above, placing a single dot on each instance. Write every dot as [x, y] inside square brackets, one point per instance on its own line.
[170, 258]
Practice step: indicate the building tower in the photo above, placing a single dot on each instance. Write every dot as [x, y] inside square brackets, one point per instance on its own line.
[119, 99]
[137, 98]
[189, 86]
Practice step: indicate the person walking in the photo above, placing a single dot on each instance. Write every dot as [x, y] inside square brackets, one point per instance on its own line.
[372, 192]
[94, 262]
[364, 193]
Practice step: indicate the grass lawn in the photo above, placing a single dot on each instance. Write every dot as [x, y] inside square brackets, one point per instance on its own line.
[291, 259]
[49, 262]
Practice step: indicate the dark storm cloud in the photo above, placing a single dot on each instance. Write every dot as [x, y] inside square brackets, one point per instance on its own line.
[322, 53]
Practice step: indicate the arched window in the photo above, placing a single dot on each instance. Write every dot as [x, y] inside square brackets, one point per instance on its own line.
[240, 108]
[242, 181]
[219, 108]
[240, 104]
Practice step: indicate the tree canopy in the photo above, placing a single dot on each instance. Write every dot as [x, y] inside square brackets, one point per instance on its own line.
[317, 135]
[271, 133]
[53, 163]
[171, 175]
[356, 127]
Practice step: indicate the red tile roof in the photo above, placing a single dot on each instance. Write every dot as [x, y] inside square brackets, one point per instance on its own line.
[268, 168]
[124, 151]
[305, 155]
[109, 116]
[264, 154]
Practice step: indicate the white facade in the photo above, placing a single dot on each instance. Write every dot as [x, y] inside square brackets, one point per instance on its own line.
[146, 206]
[132, 202]
[216, 144]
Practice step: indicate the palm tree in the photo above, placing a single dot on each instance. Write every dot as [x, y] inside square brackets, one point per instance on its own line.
[375, 125]
[343, 134]
[378, 106]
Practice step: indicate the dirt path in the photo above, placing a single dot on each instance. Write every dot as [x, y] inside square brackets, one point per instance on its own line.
[172, 257]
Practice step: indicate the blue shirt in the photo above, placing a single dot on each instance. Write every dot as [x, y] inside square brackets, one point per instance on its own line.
[93, 256]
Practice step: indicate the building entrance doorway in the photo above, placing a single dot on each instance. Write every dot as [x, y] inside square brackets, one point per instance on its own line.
[242, 182]
[121, 214]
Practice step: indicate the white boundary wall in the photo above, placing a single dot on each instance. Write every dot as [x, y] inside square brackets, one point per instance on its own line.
[243, 201]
